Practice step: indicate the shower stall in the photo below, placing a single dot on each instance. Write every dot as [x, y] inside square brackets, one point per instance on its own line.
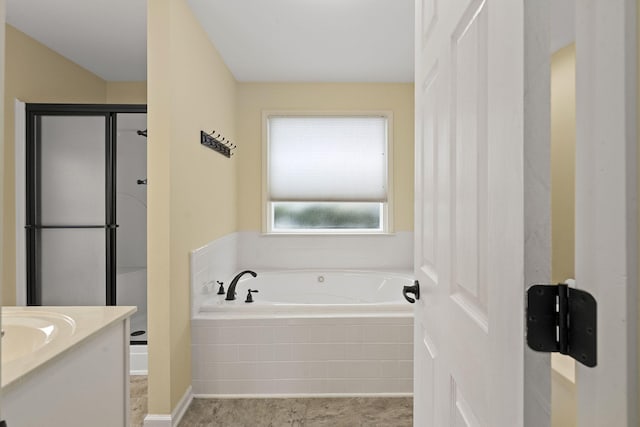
[86, 215]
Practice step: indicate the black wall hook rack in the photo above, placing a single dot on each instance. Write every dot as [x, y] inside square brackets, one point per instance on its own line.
[217, 143]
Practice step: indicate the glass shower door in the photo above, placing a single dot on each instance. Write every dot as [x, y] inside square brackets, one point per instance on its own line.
[70, 219]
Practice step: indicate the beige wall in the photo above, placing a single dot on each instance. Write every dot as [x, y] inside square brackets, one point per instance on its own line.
[191, 193]
[253, 98]
[35, 73]
[126, 93]
[563, 153]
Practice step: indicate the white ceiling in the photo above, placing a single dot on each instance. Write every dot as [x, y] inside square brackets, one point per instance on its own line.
[275, 40]
[312, 40]
[109, 38]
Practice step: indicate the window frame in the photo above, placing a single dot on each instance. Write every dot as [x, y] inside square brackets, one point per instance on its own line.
[267, 209]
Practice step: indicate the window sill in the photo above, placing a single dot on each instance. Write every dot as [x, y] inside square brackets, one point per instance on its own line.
[326, 234]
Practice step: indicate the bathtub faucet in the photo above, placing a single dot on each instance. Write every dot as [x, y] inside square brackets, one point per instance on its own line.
[231, 292]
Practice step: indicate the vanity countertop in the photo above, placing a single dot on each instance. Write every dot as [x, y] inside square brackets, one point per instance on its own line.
[33, 336]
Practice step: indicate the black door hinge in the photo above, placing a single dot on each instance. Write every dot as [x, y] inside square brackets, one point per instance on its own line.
[563, 320]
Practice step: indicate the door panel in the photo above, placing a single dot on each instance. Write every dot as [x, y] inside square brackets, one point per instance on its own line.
[424, 371]
[470, 219]
[69, 213]
[73, 267]
[463, 415]
[72, 170]
[430, 227]
[469, 127]
[428, 247]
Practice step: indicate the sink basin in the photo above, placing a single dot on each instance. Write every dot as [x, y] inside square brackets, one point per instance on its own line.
[26, 332]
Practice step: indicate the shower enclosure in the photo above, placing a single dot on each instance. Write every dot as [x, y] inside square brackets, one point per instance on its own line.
[86, 207]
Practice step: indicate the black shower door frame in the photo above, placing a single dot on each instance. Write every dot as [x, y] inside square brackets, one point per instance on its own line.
[33, 220]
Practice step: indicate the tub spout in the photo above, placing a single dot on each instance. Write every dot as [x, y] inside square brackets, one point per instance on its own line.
[231, 291]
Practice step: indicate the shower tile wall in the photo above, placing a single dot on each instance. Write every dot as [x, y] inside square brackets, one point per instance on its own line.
[131, 198]
[131, 205]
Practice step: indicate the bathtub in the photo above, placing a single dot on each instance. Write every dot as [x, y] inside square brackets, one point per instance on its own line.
[303, 293]
[307, 333]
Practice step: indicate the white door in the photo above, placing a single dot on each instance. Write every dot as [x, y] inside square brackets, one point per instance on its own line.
[477, 119]
[606, 216]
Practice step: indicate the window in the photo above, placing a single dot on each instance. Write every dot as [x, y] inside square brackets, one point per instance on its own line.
[327, 174]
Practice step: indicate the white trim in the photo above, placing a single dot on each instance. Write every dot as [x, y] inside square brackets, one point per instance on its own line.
[298, 395]
[264, 205]
[162, 420]
[126, 328]
[182, 406]
[606, 244]
[152, 420]
[138, 355]
[20, 200]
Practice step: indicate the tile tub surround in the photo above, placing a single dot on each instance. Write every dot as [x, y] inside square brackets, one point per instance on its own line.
[216, 260]
[271, 355]
[302, 356]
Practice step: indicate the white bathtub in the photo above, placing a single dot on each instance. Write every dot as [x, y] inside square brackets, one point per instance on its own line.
[306, 333]
[310, 292]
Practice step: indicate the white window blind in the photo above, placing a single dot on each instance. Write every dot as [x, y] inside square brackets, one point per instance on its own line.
[327, 158]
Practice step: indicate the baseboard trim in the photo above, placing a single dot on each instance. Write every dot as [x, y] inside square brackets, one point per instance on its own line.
[163, 420]
[154, 420]
[182, 406]
[297, 395]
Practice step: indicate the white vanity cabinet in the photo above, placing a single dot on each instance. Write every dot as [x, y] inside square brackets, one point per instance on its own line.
[76, 379]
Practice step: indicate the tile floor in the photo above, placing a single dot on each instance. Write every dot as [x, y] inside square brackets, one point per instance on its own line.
[295, 412]
[138, 400]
